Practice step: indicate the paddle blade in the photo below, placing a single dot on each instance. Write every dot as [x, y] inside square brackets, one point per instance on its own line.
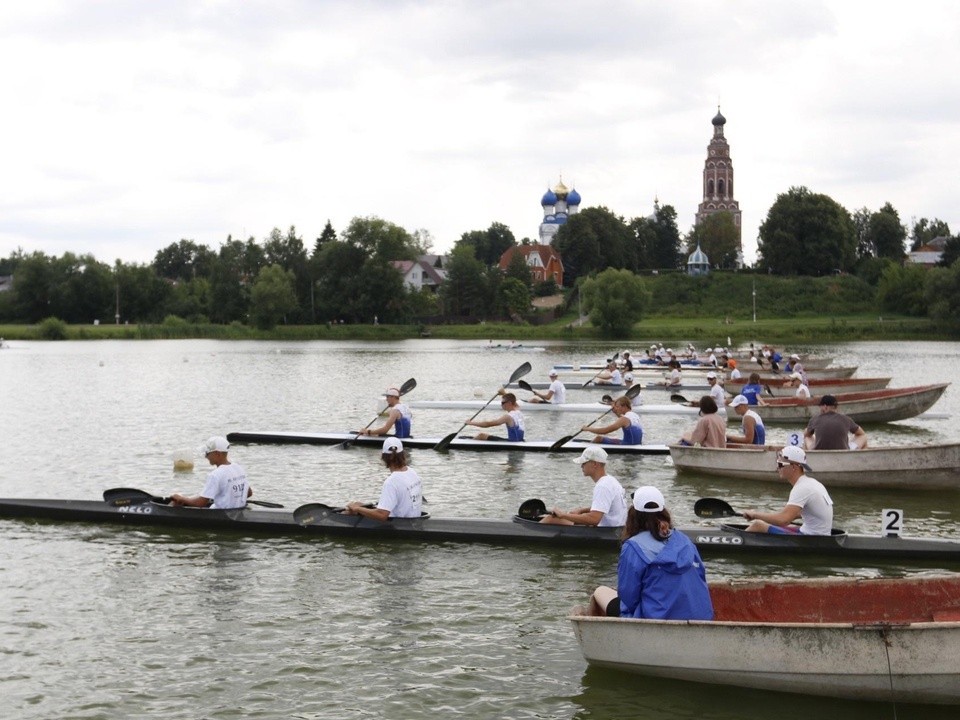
[408, 386]
[560, 443]
[313, 513]
[120, 497]
[532, 509]
[677, 398]
[264, 503]
[713, 508]
[445, 443]
[520, 372]
[632, 391]
[524, 385]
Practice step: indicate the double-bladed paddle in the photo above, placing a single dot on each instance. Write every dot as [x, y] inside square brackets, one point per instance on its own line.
[678, 398]
[594, 378]
[517, 374]
[532, 509]
[631, 393]
[119, 497]
[314, 512]
[714, 508]
[404, 389]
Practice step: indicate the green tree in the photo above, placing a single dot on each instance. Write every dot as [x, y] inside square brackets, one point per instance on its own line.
[288, 252]
[902, 289]
[943, 293]
[885, 235]
[464, 293]
[595, 239]
[615, 300]
[32, 283]
[337, 285]
[184, 260]
[272, 296]
[718, 237]
[517, 268]
[665, 253]
[380, 240]
[488, 245]
[951, 252]
[514, 296]
[806, 234]
[925, 230]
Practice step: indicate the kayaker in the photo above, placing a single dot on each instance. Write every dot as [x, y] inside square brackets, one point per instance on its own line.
[809, 500]
[754, 433]
[734, 370]
[627, 362]
[627, 421]
[660, 574]
[753, 390]
[831, 429]
[555, 394]
[512, 419]
[611, 376]
[711, 428]
[399, 417]
[226, 486]
[717, 393]
[402, 493]
[608, 508]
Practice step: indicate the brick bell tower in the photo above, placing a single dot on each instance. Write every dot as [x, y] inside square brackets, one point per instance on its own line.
[718, 182]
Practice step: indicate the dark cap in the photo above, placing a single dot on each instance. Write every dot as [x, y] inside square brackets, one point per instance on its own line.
[828, 400]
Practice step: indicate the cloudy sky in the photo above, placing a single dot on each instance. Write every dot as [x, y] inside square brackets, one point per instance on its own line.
[127, 126]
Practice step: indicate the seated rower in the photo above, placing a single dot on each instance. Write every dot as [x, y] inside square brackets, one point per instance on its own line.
[711, 428]
[512, 419]
[610, 376]
[608, 507]
[809, 500]
[627, 420]
[226, 486]
[555, 394]
[402, 493]
[754, 433]
[398, 417]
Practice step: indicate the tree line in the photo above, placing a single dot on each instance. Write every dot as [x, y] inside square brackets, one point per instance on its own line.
[351, 277]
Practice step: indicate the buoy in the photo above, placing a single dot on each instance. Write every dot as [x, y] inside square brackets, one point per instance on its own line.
[478, 391]
[183, 460]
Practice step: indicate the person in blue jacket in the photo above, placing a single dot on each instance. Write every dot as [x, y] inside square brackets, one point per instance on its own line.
[753, 390]
[660, 574]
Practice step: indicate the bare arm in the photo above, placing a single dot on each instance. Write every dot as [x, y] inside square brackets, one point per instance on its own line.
[502, 420]
[787, 515]
[606, 429]
[392, 418]
[355, 508]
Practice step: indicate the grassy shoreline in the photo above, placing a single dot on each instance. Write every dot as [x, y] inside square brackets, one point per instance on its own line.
[779, 330]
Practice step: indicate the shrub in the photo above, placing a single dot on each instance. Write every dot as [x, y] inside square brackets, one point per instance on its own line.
[53, 328]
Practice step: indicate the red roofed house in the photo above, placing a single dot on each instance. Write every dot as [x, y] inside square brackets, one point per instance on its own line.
[544, 262]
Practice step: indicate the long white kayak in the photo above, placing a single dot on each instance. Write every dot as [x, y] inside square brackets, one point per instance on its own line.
[595, 407]
[280, 437]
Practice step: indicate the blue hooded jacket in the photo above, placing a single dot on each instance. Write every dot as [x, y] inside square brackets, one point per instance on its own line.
[662, 580]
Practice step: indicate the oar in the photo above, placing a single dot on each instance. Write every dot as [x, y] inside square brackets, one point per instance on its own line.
[404, 389]
[613, 359]
[524, 385]
[714, 508]
[118, 497]
[631, 393]
[532, 509]
[517, 374]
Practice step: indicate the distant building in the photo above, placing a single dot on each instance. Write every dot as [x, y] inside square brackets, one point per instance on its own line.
[698, 263]
[427, 271]
[558, 204]
[929, 254]
[718, 182]
[544, 262]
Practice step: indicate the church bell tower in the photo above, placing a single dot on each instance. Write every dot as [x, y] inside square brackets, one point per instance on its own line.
[718, 182]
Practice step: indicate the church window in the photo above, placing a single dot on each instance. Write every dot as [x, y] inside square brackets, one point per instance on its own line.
[720, 187]
[710, 187]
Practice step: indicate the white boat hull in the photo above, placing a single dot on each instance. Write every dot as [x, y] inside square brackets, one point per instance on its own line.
[595, 408]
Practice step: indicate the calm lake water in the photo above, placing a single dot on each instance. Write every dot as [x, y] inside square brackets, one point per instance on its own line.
[99, 622]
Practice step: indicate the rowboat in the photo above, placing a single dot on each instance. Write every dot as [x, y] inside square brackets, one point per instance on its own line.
[818, 386]
[889, 640]
[863, 407]
[809, 363]
[906, 467]
[646, 373]
[316, 519]
[279, 437]
[594, 407]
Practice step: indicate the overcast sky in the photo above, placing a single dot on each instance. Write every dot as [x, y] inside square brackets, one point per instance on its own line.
[127, 126]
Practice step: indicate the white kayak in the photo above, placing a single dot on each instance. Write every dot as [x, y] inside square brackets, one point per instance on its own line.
[595, 407]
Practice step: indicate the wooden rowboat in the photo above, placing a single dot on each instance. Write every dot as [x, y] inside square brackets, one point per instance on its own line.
[881, 640]
[863, 407]
[919, 467]
[818, 386]
[647, 372]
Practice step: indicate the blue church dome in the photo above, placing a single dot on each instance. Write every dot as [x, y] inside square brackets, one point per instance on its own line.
[549, 198]
[573, 198]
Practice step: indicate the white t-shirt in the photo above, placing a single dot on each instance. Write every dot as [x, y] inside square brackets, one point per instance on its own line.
[559, 392]
[227, 487]
[402, 494]
[816, 507]
[735, 374]
[609, 498]
[717, 393]
[802, 391]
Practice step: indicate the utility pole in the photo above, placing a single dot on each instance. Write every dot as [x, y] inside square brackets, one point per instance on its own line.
[754, 300]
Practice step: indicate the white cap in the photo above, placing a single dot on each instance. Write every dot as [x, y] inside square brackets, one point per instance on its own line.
[795, 455]
[392, 445]
[392, 392]
[215, 444]
[648, 499]
[796, 376]
[593, 452]
[739, 400]
[794, 357]
[553, 373]
[711, 376]
[628, 377]
[709, 350]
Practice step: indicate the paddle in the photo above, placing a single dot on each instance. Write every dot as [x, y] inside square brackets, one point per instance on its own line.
[631, 393]
[404, 389]
[678, 398]
[532, 509]
[312, 512]
[119, 497]
[524, 385]
[517, 374]
[714, 508]
[593, 379]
